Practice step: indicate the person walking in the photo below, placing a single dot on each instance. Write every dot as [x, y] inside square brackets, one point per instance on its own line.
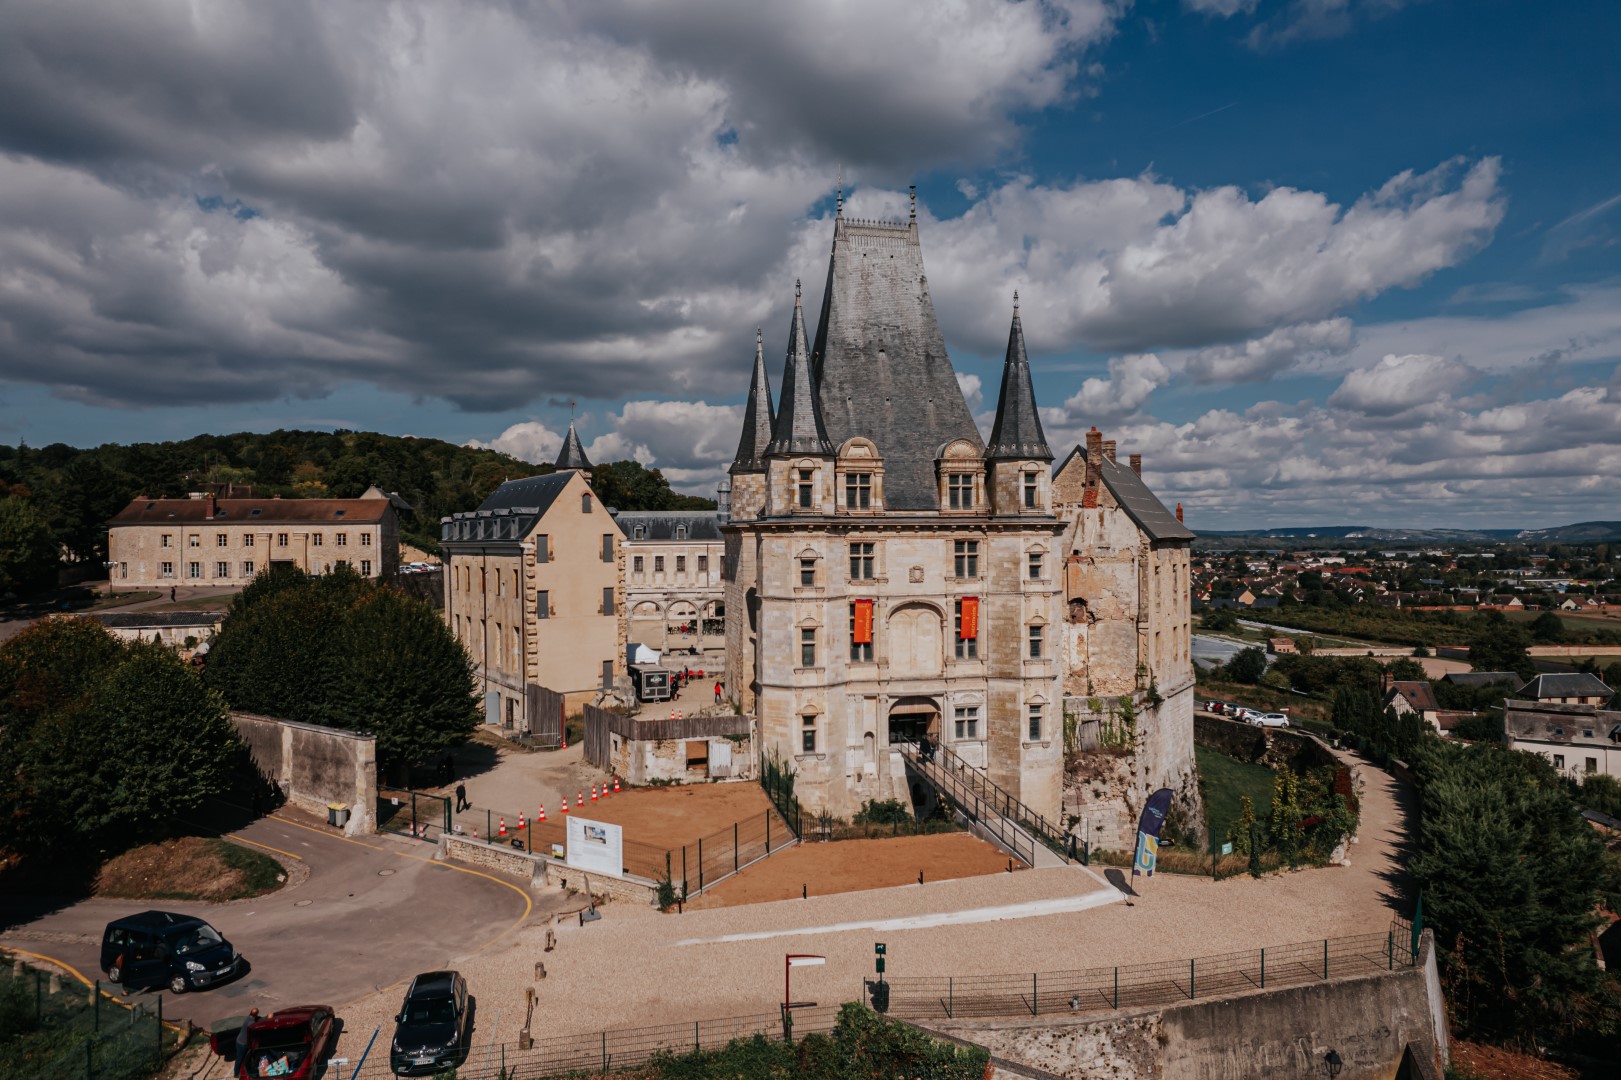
[171, 594]
[461, 798]
[717, 693]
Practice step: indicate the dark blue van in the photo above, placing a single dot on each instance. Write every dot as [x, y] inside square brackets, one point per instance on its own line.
[161, 948]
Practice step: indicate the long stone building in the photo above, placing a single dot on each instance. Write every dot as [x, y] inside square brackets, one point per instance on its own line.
[892, 576]
[673, 588]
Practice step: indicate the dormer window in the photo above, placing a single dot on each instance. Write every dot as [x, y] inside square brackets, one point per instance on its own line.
[960, 491]
[680, 532]
[805, 487]
[1031, 488]
[858, 491]
[641, 532]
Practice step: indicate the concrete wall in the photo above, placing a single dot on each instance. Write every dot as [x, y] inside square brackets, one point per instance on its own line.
[541, 871]
[1368, 1020]
[315, 766]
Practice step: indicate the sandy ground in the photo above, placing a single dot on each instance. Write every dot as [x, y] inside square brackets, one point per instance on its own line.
[853, 865]
[1436, 666]
[632, 969]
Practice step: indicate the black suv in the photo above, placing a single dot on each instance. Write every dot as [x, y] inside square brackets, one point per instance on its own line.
[434, 1029]
[157, 948]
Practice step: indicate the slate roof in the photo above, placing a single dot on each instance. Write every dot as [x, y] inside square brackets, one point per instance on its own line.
[510, 511]
[1564, 684]
[661, 524]
[1420, 695]
[1481, 678]
[1017, 432]
[881, 368]
[758, 416]
[245, 511]
[572, 455]
[798, 428]
[1146, 510]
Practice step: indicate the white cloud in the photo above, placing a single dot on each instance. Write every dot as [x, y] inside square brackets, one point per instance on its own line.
[529, 441]
[1397, 384]
[973, 393]
[1131, 380]
[1261, 358]
[1222, 8]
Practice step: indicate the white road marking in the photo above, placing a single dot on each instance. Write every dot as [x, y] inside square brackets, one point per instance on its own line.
[1030, 909]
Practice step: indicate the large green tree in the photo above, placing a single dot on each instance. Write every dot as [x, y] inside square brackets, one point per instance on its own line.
[1499, 645]
[28, 548]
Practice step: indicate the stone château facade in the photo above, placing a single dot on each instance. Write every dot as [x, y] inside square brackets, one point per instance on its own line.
[673, 588]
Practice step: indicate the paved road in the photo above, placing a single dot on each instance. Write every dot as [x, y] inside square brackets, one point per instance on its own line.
[371, 913]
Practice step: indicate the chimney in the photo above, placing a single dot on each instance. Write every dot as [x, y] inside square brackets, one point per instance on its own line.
[1179, 511]
[1108, 449]
[1094, 463]
[209, 514]
[1137, 464]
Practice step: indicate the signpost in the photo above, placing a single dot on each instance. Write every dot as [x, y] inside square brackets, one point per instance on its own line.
[791, 961]
[880, 989]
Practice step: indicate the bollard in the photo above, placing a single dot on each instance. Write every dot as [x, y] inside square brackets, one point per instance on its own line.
[54, 985]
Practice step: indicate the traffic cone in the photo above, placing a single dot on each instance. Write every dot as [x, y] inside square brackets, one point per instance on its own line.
[579, 799]
[521, 823]
[616, 785]
[542, 815]
[593, 793]
[503, 826]
[565, 804]
[475, 832]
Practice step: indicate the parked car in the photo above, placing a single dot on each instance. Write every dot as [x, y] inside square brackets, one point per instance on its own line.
[1271, 719]
[1245, 713]
[434, 1028]
[291, 1044]
[157, 948]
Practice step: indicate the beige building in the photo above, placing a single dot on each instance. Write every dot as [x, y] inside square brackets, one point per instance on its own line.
[1576, 739]
[673, 590]
[157, 543]
[533, 590]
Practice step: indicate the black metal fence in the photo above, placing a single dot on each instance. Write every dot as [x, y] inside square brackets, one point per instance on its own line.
[1133, 985]
[78, 1033]
[973, 791]
[414, 813]
[710, 859]
[778, 781]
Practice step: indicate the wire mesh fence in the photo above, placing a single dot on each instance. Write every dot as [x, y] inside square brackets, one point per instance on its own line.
[600, 1052]
[700, 865]
[77, 1033]
[1134, 985]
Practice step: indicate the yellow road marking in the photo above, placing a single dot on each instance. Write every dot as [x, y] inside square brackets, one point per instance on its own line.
[267, 847]
[77, 974]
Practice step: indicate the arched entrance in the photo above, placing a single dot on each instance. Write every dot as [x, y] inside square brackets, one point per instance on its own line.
[912, 719]
[914, 642]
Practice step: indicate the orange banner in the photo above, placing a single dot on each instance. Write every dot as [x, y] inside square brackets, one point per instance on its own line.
[862, 630]
[969, 630]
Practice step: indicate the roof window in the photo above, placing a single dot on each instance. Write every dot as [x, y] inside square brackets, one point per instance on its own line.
[339, 513]
[150, 505]
[257, 510]
[1558, 731]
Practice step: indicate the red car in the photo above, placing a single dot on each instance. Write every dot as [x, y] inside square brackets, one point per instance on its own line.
[288, 1045]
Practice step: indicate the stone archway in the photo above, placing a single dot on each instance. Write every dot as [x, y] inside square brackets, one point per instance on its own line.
[912, 719]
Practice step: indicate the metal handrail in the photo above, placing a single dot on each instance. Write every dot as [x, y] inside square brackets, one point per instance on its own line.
[985, 811]
[1006, 805]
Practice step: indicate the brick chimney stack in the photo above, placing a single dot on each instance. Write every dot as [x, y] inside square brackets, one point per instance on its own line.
[210, 500]
[1179, 511]
[1094, 466]
[1137, 464]
[1108, 449]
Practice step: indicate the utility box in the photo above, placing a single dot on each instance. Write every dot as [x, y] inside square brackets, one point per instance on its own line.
[337, 814]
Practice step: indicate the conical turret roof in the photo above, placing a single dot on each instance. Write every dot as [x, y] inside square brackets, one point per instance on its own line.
[759, 415]
[1017, 432]
[572, 456]
[798, 428]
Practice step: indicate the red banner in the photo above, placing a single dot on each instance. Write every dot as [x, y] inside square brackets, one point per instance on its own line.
[862, 630]
[968, 628]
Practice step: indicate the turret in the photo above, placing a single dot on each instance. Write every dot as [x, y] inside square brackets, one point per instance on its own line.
[746, 489]
[572, 455]
[1018, 458]
[799, 456]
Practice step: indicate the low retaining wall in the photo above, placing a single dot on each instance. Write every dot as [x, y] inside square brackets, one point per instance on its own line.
[1272, 747]
[315, 766]
[541, 870]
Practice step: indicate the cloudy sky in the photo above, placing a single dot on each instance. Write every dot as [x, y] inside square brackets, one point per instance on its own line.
[1320, 261]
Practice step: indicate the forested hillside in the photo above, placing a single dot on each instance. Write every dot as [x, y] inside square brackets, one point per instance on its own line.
[73, 492]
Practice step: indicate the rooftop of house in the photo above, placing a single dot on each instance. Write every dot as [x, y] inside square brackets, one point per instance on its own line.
[212, 511]
[667, 524]
[1575, 725]
[1419, 694]
[509, 512]
[1565, 685]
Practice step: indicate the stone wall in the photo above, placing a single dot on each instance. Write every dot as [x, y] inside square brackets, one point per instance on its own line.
[1369, 1021]
[315, 766]
[1275, 748]
[541, 871]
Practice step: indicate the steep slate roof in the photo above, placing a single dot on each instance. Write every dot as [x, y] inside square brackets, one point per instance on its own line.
[510, 512]
[572, 455]
[798, 427]
[252, 511]
[881, 366]
[1146, 510]
[758, 416]
[661, 524]
[1420, 695]
[1017, 432]
[1565, 684]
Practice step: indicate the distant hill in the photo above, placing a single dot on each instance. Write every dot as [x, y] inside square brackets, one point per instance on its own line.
[79, 489]
[1587, 532]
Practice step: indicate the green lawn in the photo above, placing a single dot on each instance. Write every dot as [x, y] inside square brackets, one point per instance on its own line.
[1222, 782]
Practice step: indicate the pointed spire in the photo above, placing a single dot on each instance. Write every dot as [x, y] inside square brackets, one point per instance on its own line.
[798, 427]
[572, 456]
[759, 414]
[1017, 433]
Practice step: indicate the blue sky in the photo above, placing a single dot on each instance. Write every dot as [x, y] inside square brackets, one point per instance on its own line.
[1320, 261]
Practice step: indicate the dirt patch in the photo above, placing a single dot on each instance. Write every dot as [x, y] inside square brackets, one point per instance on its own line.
[1496, 1063]
[189, 868]
[854, 865]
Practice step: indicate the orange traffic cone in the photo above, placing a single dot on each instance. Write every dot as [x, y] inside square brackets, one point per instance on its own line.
[616, 785]
[593, 793]
[521, 823]
[565, 804]
[579, 798]
[475, 832]
[503, 826]
[542, 815]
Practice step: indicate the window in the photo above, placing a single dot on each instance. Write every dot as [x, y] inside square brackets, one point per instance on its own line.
[1035, 643]
[636, 564]
[543, 548]
[517, 648]
[339, 513]
[247, 568]
[807, 647]
[343, 539]
[167, 569]
[1030, 491]
[585, 503]
[365, 567]
[1034, 570]
[967, 558]
[194, 540]
[123, 569]
[222, 569]
[222, 539]
[1559, 761]
[640, 532]
[703, 564]
[194, 570]
[807, 738]
[680, 532]
[247, 539]
[967, 721]
[316, 539]
[500, 646]
[861, 631]
[500, 584]
[281, 539]
[365, 539]
[807, 478]
[458, 627]
[967, 647]
[607, 674]
[166, 539]
[960, 491]
[858, 491]
[681, 564]
[658, 564]
[807, 573]
[607, 547]
[1035, 723]
[861, 562]
[1592, 764]
[607, 599]
[543, 604]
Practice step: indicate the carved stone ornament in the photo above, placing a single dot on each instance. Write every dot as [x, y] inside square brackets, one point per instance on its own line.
[915, 575]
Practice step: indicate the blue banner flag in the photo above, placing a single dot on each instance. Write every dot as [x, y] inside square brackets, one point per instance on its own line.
[1148, 828]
